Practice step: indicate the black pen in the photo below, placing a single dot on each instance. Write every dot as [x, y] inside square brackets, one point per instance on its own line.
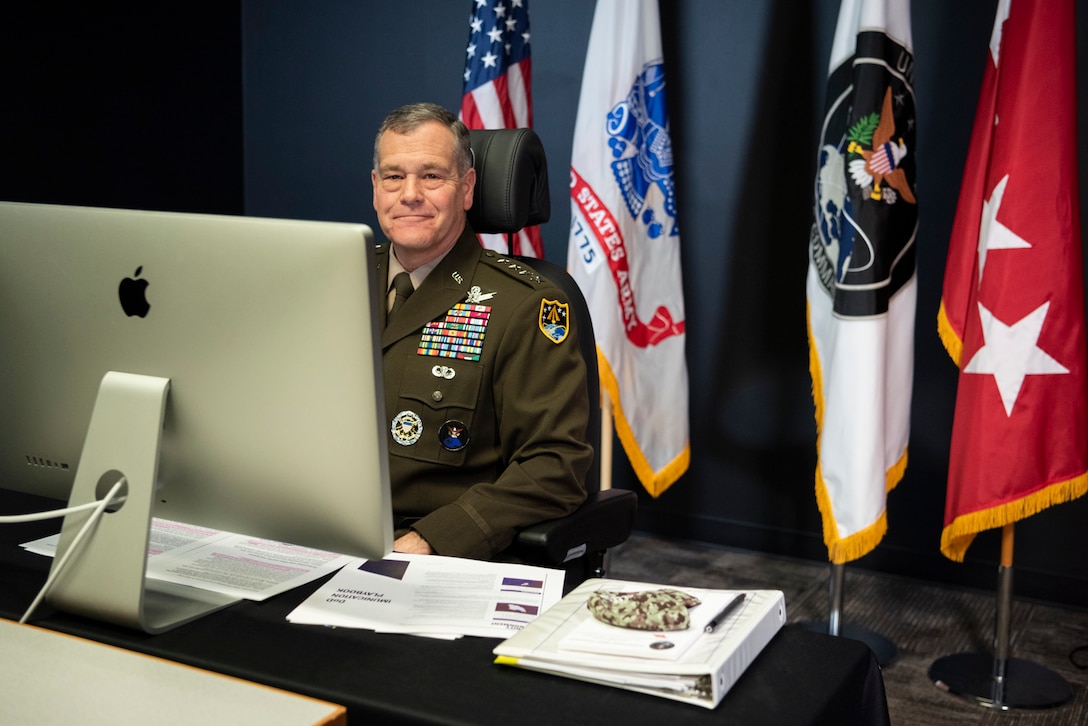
[717, 620]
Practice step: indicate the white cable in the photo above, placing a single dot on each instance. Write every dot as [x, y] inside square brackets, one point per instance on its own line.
[51, 513]
[58, 567]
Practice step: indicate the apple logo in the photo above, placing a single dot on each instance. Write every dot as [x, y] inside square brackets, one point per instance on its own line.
[133, 295]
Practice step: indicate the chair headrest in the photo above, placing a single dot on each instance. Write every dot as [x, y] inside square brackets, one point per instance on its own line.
[511, 180]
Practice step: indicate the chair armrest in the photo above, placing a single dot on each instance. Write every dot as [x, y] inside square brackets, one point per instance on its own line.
[605, 519]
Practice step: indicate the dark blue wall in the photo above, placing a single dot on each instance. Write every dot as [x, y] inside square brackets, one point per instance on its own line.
[132, 105]
[270, 108]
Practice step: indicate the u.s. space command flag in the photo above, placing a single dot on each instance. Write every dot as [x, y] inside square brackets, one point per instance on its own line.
[498, 88]
[624, 246]
[862, 283]
[1012, 307]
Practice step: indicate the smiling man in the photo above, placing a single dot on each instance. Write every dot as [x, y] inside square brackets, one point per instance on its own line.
[485, 389]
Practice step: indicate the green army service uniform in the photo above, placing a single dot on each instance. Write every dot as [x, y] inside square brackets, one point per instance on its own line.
[486, 399]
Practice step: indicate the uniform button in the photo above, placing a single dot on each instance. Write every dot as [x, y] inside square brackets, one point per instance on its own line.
[436, 396]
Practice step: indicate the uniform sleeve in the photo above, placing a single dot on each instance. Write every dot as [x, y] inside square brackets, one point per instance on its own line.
[542, 410]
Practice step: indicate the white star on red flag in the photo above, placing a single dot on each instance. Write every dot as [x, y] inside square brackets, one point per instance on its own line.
[1012, 352]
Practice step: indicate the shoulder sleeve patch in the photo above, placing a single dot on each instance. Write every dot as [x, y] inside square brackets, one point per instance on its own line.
[554, 320]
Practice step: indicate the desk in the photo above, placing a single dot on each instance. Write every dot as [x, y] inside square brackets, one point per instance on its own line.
[50, 678]
[801, 677]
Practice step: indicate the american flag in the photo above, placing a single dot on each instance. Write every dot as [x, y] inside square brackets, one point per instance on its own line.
[497, 86]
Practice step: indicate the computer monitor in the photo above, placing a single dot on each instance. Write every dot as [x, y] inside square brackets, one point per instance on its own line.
[228, 367]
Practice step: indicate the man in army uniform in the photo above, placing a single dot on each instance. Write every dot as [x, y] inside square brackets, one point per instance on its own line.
[485, 389]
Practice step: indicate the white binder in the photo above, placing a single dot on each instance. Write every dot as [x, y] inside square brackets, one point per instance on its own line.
[705, 668]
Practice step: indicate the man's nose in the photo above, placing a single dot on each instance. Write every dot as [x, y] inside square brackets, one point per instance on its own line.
[409, 191]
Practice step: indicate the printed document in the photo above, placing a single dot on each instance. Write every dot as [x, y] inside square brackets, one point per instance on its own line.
[433, 595]
[232, 564]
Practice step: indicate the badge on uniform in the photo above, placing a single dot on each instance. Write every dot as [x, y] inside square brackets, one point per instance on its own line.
[453, 435]
[553, 320]
[406, 428]
[476, 295]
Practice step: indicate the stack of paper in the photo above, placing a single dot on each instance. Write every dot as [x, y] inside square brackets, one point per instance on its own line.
[444, 597]
[689, 665]
[232, 564]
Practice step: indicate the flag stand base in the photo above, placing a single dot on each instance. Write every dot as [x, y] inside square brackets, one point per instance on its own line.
[1025, 684]
[998, 681]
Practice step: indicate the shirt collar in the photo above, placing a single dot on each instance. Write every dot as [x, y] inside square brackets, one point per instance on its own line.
[417, 275]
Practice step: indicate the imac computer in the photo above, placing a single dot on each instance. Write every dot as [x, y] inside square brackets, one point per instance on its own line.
[227, 369]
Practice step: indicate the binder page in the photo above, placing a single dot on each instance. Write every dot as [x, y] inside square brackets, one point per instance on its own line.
[593, 636]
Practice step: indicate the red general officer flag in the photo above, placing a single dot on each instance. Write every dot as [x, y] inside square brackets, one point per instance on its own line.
[1012, 308]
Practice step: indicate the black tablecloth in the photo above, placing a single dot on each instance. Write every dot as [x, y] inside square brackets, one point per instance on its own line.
[801, 677]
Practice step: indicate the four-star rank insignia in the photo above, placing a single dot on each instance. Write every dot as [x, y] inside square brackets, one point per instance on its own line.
[553, 320]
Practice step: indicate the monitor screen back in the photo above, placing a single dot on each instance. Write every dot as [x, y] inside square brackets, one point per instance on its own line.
[274, 424]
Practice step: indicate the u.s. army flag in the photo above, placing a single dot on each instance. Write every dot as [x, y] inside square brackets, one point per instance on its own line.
[624, 246]
[862, 275]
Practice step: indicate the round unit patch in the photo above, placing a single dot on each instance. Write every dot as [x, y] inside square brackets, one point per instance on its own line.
[453, 435]
[406, 428]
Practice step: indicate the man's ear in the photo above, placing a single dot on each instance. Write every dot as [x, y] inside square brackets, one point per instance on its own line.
[469, 180]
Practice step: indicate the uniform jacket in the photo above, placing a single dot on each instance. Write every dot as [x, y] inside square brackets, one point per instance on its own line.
[485, 392]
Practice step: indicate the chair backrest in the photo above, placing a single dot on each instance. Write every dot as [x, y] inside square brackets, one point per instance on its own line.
[512, 193]
[511, 181]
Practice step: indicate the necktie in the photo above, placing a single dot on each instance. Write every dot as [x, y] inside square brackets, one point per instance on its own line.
[402, 283]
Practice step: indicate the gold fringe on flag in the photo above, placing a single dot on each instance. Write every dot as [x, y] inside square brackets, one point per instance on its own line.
[951, 340]
[957, 536]
[654, 482]
[841, 550]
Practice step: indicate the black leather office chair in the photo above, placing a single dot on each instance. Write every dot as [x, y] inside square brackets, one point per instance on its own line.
[512, 193]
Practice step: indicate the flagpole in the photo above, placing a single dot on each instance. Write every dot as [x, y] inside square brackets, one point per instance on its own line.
[606, 441]
[883, 649]
[999, 681]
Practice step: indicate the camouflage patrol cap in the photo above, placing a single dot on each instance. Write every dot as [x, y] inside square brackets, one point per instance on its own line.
[644, 610]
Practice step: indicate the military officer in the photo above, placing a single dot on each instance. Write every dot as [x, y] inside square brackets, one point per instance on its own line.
[485, 389]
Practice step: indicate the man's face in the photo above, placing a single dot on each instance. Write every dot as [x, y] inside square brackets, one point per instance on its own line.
[418, 195]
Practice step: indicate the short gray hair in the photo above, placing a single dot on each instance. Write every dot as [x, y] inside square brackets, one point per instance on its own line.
[407, 119]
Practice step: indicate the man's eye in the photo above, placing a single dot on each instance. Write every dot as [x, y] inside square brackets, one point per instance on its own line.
[432, 181]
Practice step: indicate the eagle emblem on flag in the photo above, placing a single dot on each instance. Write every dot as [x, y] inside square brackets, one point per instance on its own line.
[638, 133]
[866, 217]
[879, 164]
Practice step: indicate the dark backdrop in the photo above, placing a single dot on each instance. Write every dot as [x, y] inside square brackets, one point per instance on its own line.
[268, 107]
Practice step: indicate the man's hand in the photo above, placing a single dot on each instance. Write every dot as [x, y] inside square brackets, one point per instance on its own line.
[412, 544]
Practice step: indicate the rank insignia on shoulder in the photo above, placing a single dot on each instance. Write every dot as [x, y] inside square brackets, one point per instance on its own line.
[553, 322]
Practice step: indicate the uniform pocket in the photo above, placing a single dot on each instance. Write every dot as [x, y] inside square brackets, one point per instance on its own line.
[436, 404]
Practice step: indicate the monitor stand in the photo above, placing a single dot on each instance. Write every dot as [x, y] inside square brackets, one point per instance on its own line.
[105, 577]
